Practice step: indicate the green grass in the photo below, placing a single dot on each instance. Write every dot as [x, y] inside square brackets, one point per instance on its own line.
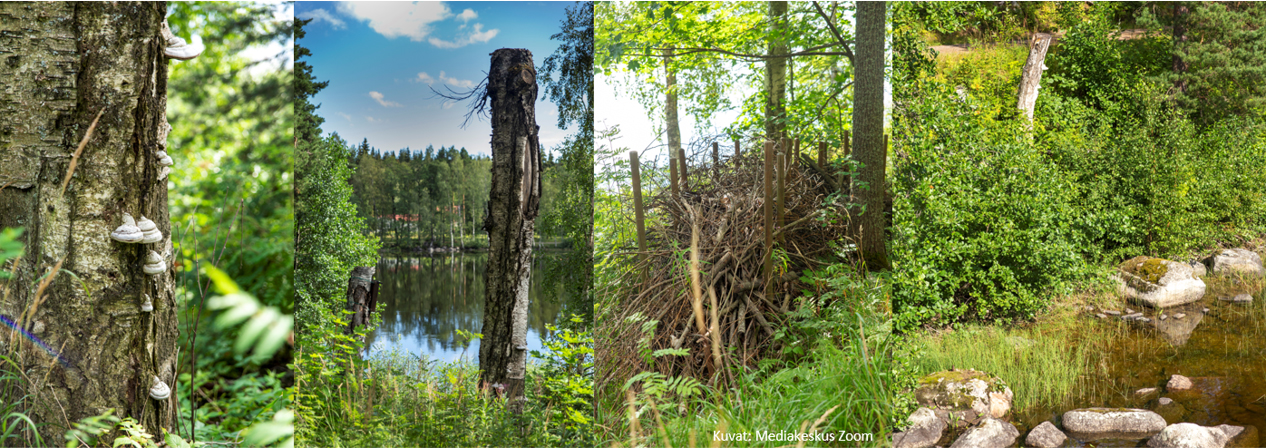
[845, 385]
[1040, 367]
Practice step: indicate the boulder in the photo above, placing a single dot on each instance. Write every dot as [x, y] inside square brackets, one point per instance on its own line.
[992, 433]
[1096, 423]
[1240, 436]
[1236, 262]
[1189, 435]
[1178, 382]
[1045, 435]
[1159, 283]
[925, 429]
[967, 394]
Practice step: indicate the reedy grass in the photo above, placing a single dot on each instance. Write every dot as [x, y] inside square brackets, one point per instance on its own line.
[837, 388]
[1040, 366]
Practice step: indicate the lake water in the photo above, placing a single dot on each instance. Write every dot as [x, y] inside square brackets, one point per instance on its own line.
[424, 300]
[1222, 350]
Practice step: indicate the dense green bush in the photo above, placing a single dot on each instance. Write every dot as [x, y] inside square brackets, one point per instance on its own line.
[992, 215]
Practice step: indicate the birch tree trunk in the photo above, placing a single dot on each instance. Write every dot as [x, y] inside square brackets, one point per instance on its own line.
[512, 209]
[776, 74]
[868, 129]
[63, 64]
[671, 122]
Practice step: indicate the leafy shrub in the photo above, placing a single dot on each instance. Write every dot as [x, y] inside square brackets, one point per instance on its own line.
[985, 223]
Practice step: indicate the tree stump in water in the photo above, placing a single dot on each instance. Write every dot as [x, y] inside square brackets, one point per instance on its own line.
[360, 301]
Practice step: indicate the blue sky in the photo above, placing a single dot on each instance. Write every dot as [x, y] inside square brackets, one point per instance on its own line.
[382, 59]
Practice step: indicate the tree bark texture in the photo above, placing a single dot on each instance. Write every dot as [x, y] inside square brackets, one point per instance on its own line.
[512, 209]
[1181, 11]
[776, 74]
[61, 64]
[868, 129]
[358, 296]
[1031, 76]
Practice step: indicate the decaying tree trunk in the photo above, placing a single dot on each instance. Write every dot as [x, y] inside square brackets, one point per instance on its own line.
[1031, 77]
[512, 209]
[359, 299]
[868, 129]
[61, 66]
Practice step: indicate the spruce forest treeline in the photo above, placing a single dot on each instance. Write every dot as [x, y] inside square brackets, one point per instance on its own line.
[431, 198]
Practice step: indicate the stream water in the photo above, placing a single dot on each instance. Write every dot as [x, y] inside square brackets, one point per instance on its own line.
[424, 300]
[1222, 350]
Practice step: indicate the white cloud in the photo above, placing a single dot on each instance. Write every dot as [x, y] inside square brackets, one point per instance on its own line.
[321, 15]
[423, 77]
[345, 116]
[477, 36]
[378, 97]
[449, 104]
[371, 119]
[467, 15]
[460, 83]
[395, 19]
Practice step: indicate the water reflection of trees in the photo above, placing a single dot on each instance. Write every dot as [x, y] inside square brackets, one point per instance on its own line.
[426, 300]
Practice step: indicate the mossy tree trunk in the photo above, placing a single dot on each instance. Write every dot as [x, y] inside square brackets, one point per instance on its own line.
[61, 64]
[512, 209]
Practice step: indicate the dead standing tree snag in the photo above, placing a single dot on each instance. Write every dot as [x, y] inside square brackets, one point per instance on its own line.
[512, 209]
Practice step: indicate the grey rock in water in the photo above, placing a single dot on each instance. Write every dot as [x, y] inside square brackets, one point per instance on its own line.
[1146, 392]
[1179, 315]
[1158, 283]
[1189, 435]
[1129, 311]
[1102, 421]
[1163, 317]
[1242, 299]
[1178, 382]
[1164, 400]
[1132, 316]
[992, 433]
[1112, 312]
[1045, 435]
[925, 429]
[1240, 436]
[1236, 262]
[1101, 316]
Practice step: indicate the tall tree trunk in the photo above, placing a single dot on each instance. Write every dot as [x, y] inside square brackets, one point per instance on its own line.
[512, 209]
[670, 119]
[776, 74]
[64, 63]
[868, 129]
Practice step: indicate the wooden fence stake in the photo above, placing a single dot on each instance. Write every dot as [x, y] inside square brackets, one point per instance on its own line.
[822, 156]
[736, 148]
[672, 175]
[769, 213]
[716, 155]
[638, 213]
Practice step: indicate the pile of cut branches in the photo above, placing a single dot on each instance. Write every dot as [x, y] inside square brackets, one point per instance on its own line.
[702, 276]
